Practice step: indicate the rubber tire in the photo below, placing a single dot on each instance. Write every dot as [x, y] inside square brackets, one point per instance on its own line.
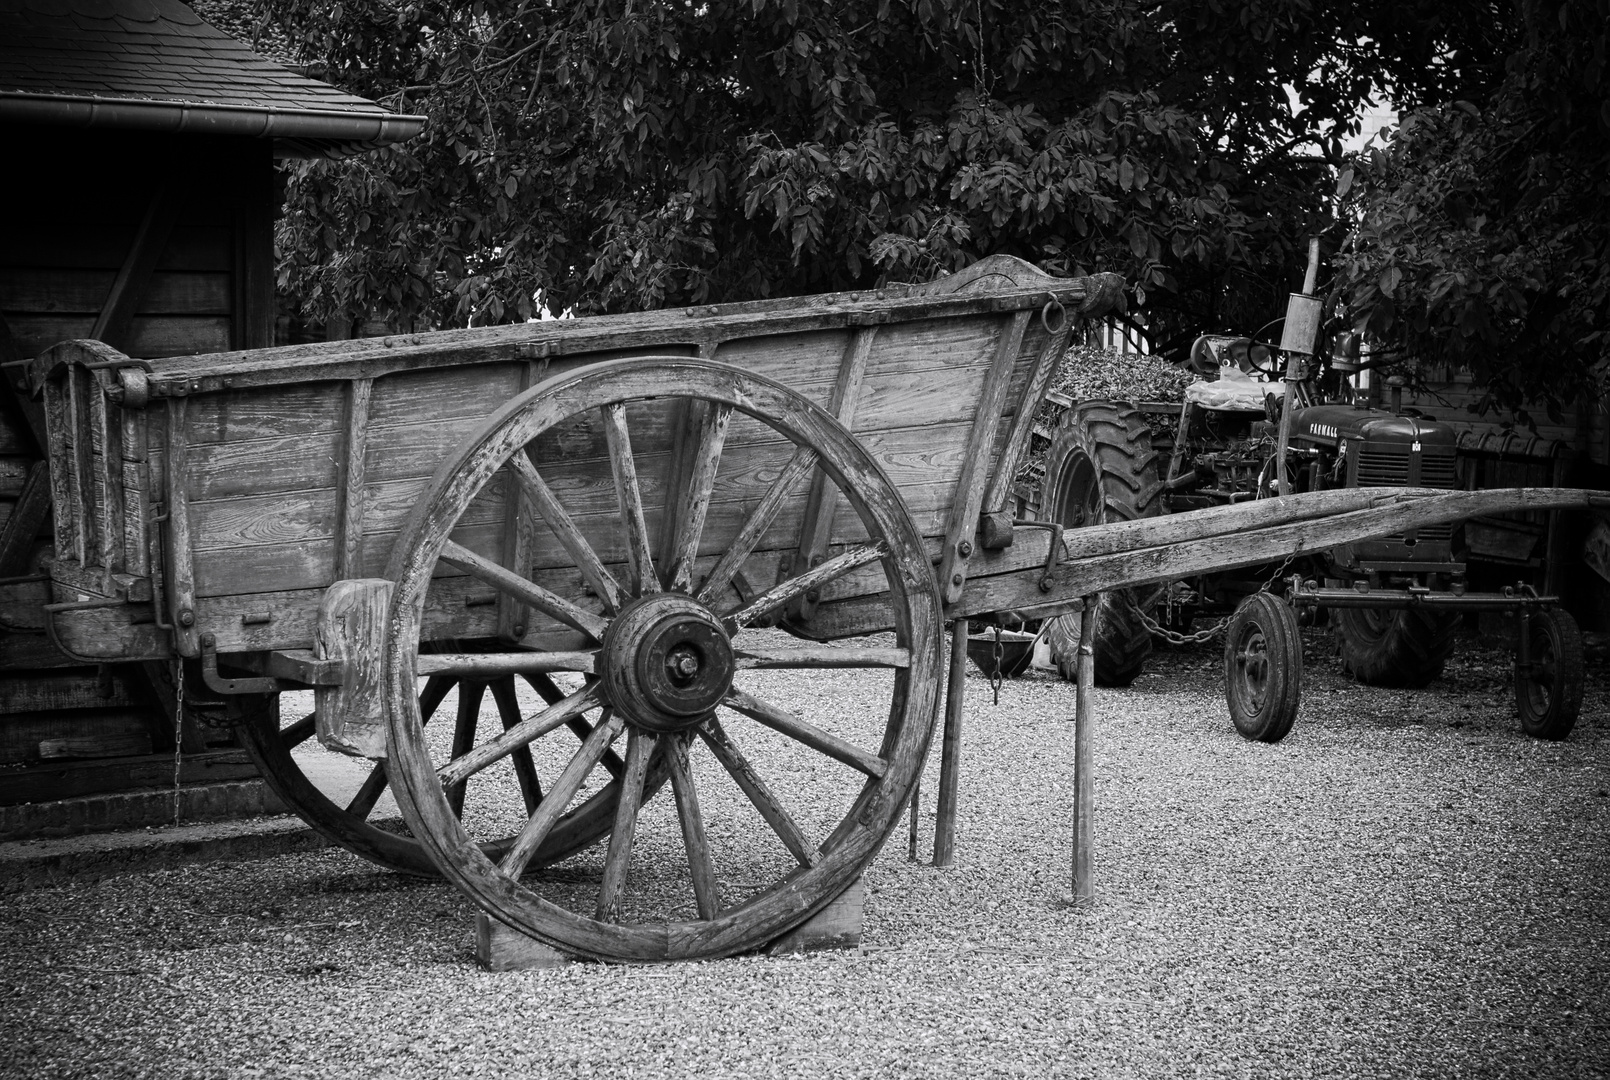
[1107, 442]
[1405, 648]
[1263, 701]
[1549, 705]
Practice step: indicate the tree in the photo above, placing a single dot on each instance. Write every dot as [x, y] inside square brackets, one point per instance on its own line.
[1483, 235]
[622, 154]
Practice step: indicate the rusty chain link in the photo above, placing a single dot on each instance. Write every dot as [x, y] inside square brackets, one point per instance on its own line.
[1174, 637]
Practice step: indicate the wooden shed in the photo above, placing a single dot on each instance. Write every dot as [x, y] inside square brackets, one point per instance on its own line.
[141, 147]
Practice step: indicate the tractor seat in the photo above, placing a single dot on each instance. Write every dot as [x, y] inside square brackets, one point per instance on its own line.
[1233, 391]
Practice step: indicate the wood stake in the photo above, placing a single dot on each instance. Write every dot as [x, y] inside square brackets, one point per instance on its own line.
[1084, 891]
[950, 753]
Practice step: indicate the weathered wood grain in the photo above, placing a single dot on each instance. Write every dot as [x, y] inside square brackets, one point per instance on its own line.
[350, 630]
[351, 481]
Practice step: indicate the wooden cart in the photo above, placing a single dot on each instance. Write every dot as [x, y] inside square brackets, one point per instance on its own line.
[629, 500]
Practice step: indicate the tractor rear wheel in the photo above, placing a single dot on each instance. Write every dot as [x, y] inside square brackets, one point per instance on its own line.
[1549, 689]
[1101, 469]
[1405, 648]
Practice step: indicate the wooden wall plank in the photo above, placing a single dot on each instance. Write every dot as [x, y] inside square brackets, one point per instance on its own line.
[35, 291]
[150, 336]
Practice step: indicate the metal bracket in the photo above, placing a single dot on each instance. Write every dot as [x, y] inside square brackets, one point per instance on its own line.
[220, 685]
[1053, 557]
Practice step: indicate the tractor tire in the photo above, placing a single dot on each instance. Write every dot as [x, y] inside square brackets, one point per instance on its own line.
[1263, 668]
[1101, 469]
[1549, 693]
[1405, 648]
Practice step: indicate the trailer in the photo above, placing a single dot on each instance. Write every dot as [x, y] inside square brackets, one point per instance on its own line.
[637, 517]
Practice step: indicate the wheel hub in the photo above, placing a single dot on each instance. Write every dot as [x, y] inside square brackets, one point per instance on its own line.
[666, 662]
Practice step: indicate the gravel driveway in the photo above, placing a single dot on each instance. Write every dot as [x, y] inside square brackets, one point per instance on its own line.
[1405, 887]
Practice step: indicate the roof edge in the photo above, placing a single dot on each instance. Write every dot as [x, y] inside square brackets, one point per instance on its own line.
[301, 130]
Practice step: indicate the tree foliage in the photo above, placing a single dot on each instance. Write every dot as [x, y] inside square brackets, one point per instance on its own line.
[621, 154]
[1483, 234]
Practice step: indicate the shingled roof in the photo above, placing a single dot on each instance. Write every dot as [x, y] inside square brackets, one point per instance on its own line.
[154, 65]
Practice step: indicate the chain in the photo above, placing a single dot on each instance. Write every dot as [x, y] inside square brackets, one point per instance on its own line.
[178, 733]
[1174, 637]
[996, 675]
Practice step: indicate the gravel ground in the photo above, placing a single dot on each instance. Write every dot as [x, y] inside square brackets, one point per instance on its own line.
[1405, 887]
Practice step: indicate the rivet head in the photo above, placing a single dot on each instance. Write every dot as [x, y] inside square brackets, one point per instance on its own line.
[956, 579]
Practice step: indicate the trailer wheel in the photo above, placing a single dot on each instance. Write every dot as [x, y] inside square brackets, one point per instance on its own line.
[1101, 468]
[1549, 692]
[1403, 648]
[676, 674]
[1263, 668]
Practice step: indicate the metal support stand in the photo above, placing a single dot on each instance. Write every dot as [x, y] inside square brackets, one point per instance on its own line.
[950, 754]
[1084, 891]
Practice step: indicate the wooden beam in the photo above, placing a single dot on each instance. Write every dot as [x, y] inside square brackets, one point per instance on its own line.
[950, 751]
[28, 516]
[1028, 408]
[822, 504]
[128, 288]
[969, 500]
[181, 570]
[350, 483]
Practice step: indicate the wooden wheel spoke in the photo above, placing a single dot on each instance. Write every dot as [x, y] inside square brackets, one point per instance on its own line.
[374, 785]
[299, 732]
[640, 747]
[706, 458]
[550, 692]
[531, 728]
[797, 586]
[803, 731]
[738, 767]
[820, 656]
[755, 526]
[527, 592]
[565, 531]
[525, 770]
[564, 789]
[470, 693]
[693, 837]
[369, 792]
[630, 494]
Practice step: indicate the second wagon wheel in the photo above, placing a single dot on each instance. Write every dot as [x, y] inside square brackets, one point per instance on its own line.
[281, 753]
[779, 804]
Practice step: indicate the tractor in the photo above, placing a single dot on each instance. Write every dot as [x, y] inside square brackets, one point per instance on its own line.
[1266, 420]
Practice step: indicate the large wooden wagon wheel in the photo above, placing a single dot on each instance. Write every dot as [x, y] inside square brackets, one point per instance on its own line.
[347, 823]
[671, 675]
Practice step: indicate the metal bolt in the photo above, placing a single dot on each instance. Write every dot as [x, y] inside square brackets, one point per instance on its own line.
[187, 617]
[956, 579]
[813, 595]
[519, 629]
[965, 549]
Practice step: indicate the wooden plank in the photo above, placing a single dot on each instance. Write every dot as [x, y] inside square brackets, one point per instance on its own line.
[519, 538]
[90, 244]
[149, 336]
[499, 947]
[57, 691]
[256, 204]
[38, 291]
[115, 319]
[24, 521]
[963, 526]
[836, 926]
[351, 474]
[107, 440]
[1050, 349]
[45, 782]
[33, 736]
[178, 565]
[135, 486]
